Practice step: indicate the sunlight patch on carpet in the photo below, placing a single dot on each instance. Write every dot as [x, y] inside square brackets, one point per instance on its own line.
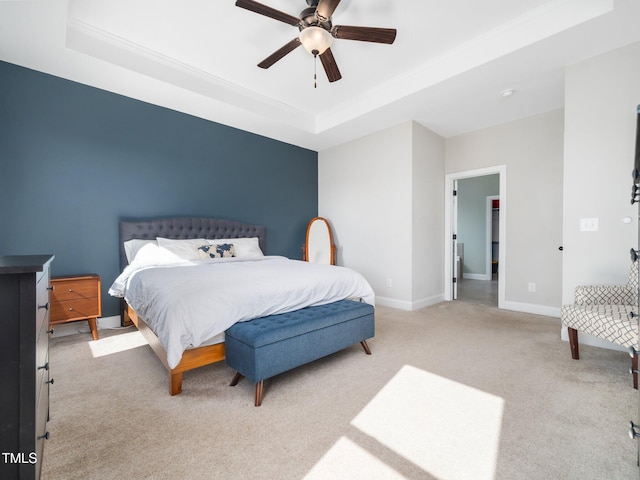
[450, 430]
[346, 460]
[116, 343]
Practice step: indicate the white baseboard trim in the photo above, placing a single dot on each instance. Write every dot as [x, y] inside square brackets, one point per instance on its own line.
[408, 305]
[427, 302]
[81, 326]
[476, 276]
[532, 308]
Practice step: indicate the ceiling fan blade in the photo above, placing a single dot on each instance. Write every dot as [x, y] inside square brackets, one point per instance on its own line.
[364, 34]
[325, 9]
[268, 11]
[281, 52]
[330, 66]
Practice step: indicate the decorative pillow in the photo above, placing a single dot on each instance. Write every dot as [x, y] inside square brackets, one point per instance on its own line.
[244, 247]
[221, 250]
[184, 248]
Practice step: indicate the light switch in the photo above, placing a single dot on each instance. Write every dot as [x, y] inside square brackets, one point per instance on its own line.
[588, 224]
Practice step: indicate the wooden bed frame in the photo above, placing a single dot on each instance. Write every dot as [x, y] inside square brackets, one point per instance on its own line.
[181, 228]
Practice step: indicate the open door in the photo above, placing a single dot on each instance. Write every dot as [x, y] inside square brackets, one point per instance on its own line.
[453, 249]
[454, 239]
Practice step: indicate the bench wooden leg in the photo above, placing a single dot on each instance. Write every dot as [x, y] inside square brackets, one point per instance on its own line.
[236, 379]
[366, 347]
[573, 343]
[259, 386]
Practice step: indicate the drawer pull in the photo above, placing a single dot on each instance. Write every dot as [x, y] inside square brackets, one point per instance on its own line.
[45, 306]
[45, 436]
[71, 309]
[45, 366]
[50, 382]
[50, 332]
[71, 289]
[51, 288]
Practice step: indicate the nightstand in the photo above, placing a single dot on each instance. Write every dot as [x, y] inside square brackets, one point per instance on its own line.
[74, 298]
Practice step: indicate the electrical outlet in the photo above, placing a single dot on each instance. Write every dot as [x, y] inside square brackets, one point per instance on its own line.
[532, 287]
[389, 283]
[589, 224]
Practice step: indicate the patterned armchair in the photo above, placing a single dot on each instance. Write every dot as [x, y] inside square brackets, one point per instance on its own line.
[605, 311]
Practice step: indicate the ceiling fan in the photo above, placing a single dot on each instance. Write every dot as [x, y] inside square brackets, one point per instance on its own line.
[317, 32]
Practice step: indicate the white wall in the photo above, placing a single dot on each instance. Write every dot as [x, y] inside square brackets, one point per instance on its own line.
[532, 151]
[383, 196]
[601, 95]
[428, 217]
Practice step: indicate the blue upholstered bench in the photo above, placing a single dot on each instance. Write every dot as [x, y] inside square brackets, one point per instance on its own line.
[264, 347]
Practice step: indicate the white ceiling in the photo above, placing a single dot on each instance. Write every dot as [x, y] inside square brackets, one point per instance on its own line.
[446, 69]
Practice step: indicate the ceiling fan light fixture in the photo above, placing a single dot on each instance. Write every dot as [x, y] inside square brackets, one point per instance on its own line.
[315, 40]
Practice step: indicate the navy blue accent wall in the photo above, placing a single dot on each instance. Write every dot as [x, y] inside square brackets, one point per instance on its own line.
[75, 159]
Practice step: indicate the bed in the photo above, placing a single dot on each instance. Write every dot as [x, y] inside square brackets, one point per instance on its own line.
[181, 307]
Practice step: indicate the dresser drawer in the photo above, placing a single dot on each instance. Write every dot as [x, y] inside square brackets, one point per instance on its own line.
[42, 302]
[42, 354]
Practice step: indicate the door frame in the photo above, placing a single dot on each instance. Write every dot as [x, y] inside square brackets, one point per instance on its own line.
[449, 227]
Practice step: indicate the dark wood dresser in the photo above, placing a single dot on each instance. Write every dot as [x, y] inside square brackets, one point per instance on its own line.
[24, 364]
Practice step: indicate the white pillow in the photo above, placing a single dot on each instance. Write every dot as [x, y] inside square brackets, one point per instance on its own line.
[184, 248]
[244, 247]
[131, 247]
[152, 255]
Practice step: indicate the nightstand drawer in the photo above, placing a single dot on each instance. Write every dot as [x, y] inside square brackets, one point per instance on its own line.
[70, 309]
[74, 289]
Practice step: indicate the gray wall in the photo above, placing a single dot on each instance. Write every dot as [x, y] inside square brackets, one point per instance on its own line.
[384, 195]
[532, 151]
[75, 159]
[601, 96]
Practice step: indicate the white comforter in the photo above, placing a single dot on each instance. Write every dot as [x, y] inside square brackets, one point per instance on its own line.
[188, 302]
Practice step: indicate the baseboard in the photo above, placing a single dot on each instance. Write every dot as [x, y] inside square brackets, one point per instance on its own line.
[427, 302]
[476, 276]
[408, 305]
[81, 326]
[532, 308]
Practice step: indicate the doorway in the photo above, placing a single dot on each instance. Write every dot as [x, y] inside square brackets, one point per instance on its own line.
[475, 281]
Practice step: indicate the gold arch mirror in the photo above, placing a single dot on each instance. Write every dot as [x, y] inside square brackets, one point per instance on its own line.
[318, 246]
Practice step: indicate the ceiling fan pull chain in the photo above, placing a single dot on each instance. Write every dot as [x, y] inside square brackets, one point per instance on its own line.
[315, 69]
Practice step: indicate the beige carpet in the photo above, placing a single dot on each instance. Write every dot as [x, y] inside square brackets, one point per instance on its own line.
[454, 391]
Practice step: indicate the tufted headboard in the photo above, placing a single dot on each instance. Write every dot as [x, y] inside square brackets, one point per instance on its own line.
[187, 227]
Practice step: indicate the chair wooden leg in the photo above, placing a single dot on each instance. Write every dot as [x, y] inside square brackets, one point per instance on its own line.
[634, 370]
[366, 347]
[573, 343]
[236, 379]
[259, 386]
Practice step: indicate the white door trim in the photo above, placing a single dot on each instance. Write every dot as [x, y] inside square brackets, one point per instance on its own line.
[448, 214]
